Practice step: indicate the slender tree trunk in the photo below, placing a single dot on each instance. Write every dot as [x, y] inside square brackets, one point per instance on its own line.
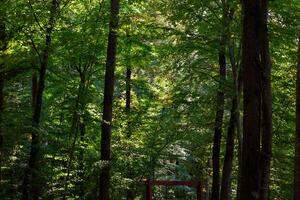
[130, 193]
[3, 47]
[239, 129]
[229, 153]
[297, 144]
[253, 61]
[227, 167]
[1, 123]
[31, 182]
[128, 99]
[108, 101]
[266, 139]
[77, 126]
[218, 126]
[239, 136]
[81, 160]
[207, 184]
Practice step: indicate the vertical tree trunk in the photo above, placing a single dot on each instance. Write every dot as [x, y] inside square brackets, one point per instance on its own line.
[128, 99]
[207, 184]
[130, 194]
[297, 145]
[266, 139]
[77, 126]
[229, 153]
[218, 126]
[108, 101]
[239, 137]
[81, 160]
[3, 47]
[31, 182]
[254, 61]
[239, 133]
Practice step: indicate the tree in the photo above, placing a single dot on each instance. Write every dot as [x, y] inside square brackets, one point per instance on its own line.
[108, 100]
[266, 121]
[3, 47]
[226, 15]
[31, 177]
[297, 145]
[233, 127]
[257, 106]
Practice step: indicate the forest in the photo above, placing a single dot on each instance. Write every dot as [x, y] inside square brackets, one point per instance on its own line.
[99, 99]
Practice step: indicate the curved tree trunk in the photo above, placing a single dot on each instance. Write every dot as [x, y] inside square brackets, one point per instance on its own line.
[297, 145]
[108, 101]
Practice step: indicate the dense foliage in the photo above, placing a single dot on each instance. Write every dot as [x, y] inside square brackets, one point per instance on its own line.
[172, 50]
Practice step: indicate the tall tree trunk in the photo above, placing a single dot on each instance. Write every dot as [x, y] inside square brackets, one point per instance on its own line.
[266, 139]
[229, 153]
[81, 160]
[77, 126]
[255, 60]
[128, 99]
[3, 47]
[218, 126]
[239, 135]
[31, 182]
[108, 101]
[297, 144]
[130, 193]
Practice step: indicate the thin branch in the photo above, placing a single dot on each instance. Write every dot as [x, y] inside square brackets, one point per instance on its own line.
[35, 16]
[35, 49]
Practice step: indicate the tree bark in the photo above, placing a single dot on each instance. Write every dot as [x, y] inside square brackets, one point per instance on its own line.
[297, 144]
[108, 101]
[239, 135]
[3, 47]
[218, 126]
[31, 182]
[229, 153]
[255, 61]
[266, 139]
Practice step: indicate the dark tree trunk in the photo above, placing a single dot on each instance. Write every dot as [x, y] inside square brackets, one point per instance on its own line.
[252, 102]
[266, 139]
[256, 82]
[229, 153]
[239, 135]
[108, 101]
[297, 146]
[31, 182]
[3, 47]
[218, 126]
